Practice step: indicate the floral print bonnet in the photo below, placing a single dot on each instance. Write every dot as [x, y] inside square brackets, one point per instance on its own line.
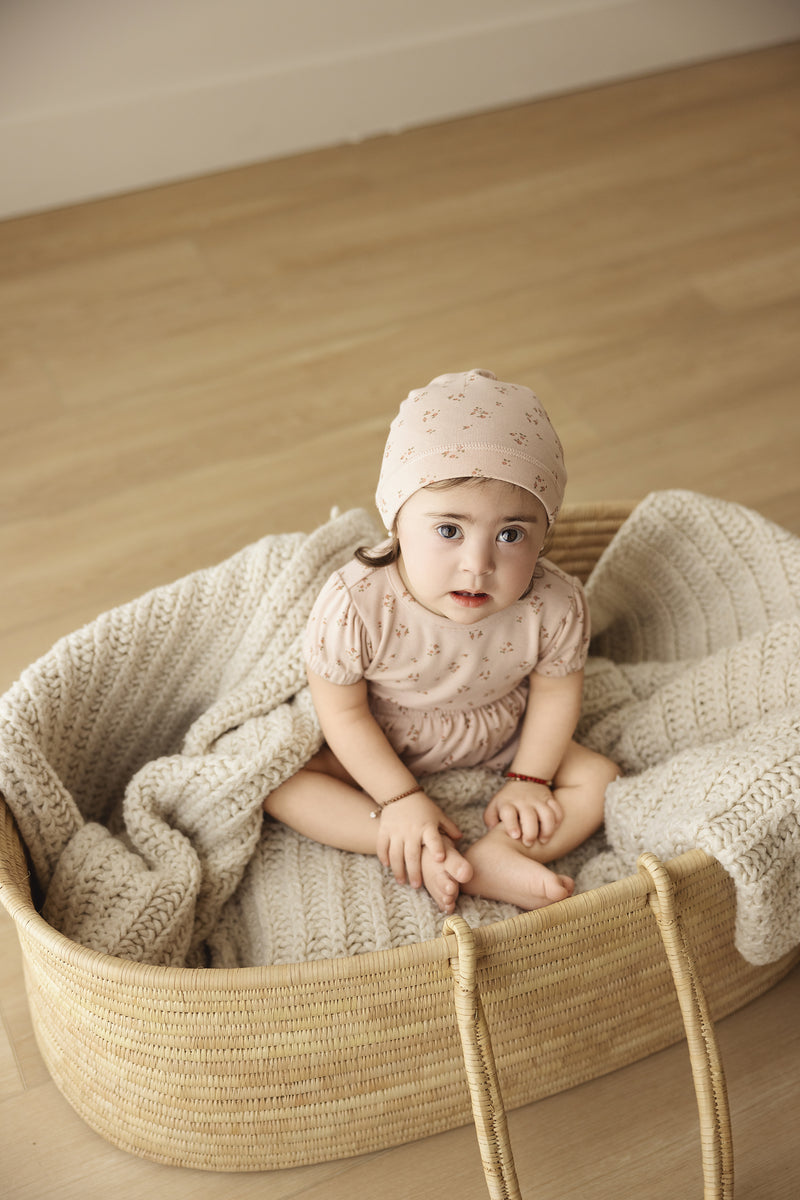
[471, 424]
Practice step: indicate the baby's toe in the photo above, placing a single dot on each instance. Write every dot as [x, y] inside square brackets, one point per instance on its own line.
[562, 887]
[461, 870]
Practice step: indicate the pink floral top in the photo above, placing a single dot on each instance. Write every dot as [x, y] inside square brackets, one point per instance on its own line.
[445, 694]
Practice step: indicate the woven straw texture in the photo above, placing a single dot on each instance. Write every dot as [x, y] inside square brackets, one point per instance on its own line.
[264, 1067]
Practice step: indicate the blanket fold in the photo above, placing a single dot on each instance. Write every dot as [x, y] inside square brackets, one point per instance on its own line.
[135, 755]
[696, 606]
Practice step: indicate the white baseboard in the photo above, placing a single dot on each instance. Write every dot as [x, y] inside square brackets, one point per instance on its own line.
[67, 156]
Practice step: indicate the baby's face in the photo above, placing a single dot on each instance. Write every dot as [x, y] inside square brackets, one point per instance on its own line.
[469, 549]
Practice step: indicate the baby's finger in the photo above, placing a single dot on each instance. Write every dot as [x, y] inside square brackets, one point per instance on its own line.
[509, 819]
[397, 860]
[450, 828]
[531, 827]
[413, 863]
[490, 817]
[555, 807]
[382, 848]
[550, 817]
[547, 822]
[433, 840]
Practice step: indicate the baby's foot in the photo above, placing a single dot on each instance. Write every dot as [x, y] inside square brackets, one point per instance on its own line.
[503, 870]
[443, 880]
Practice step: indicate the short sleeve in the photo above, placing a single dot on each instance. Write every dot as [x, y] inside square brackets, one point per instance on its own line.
[336, 643]
[565, 628]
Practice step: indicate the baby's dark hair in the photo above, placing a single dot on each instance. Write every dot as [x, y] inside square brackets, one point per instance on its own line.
[380, 557]
[390, 554]
[384, 555]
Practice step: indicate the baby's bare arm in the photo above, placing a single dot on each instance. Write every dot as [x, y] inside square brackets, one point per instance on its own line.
[530, 811]
[551, 714]
[357, 740]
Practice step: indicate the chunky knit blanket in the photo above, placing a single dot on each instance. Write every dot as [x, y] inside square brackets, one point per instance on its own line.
[136, 753]
[696, 614]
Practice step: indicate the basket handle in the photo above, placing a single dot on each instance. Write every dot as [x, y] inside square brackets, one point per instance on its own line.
[709, 1078]
[487, 1102]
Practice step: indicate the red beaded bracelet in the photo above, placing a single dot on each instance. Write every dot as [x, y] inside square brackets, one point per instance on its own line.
[527, 778]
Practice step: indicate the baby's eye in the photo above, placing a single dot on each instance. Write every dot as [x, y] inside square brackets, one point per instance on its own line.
[448, 531]
[510, 536]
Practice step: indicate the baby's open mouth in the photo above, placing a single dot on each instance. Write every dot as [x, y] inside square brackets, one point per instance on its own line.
[470, 598]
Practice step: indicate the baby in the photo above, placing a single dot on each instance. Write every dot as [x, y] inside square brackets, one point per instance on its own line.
[455, 644]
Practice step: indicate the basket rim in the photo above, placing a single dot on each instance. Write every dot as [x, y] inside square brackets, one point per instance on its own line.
[591, 509]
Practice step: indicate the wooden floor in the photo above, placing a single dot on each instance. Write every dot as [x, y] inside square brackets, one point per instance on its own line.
[186, 369]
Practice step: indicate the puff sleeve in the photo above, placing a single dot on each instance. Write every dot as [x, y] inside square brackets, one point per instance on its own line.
[565, 628]
[337, 646]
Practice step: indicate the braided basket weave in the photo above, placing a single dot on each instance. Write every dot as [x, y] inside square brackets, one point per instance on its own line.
[259, 1068]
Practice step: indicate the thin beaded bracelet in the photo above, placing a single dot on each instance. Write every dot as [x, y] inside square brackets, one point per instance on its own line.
[527, 778]
[411, 791]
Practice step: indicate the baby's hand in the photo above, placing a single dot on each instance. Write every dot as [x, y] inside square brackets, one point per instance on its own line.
[527, 811]
[405, 827]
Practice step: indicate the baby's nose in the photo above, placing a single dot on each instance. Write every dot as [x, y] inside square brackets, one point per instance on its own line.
[478, 558]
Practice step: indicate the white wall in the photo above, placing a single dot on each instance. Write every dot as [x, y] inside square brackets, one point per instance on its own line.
[102, 96]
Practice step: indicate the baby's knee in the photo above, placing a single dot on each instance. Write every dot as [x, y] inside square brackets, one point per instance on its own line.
[609, 770]
[603, 773]
[606, 772]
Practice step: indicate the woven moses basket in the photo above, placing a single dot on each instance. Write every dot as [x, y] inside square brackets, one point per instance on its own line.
[264, 1067]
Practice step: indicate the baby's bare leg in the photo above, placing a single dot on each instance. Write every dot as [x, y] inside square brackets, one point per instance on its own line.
[322, 802]
[505, 869]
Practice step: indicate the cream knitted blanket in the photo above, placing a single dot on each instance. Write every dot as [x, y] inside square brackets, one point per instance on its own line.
[696, 610]
[136, 753]
[135, 756]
